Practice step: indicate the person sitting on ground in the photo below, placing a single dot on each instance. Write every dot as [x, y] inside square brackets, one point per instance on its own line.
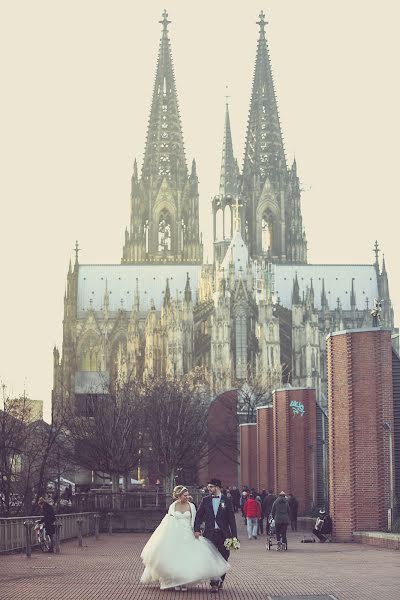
[48, 519]
[323, 526]
[252, 512]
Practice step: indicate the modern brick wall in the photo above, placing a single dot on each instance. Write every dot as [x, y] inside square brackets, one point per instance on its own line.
[360, 400]
[223, 452]
[265, 448]
[248, 454]
[295, 436]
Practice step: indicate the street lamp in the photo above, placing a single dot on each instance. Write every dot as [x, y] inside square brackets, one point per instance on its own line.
[387, 427]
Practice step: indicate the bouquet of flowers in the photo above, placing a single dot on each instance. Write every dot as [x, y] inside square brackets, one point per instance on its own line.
[232, 544]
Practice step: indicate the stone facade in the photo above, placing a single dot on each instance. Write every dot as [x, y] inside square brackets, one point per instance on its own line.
[259, 312]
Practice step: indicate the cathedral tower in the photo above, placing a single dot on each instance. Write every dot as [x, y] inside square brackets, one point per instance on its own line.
[270, 192]
[164, 226]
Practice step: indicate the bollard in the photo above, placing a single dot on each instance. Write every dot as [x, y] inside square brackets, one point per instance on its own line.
[57, 526]
[96, 525]
[79, 523]
[109, 515]
[28, 540]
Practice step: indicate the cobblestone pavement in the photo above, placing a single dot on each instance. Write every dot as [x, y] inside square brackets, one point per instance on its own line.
[110, 569]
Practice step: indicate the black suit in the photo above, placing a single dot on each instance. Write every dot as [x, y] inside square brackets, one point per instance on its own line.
[225, 519]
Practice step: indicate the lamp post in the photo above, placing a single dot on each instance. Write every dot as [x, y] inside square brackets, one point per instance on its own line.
[387, 427]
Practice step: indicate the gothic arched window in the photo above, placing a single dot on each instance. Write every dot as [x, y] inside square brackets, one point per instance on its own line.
[266, 233]
[241, 344]
[164, 232]
[89, 357]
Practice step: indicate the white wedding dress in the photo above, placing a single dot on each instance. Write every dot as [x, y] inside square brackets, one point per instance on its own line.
[174, 557]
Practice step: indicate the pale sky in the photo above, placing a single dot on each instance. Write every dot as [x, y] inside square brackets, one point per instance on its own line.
[77, 80]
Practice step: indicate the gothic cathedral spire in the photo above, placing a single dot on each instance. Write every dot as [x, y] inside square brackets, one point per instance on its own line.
[264, 153]
[164, 202]
[269, 192]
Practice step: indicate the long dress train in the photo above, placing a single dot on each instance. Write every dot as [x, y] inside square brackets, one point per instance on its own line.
[174, 557]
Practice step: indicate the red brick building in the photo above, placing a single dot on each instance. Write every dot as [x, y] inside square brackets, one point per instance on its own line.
[360, 401]
[222, 460]
[248, 454]
[295, 437]
[265, 448]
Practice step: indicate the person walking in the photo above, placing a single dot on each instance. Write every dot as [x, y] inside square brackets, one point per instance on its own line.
[216, 512]
[174, 557]
[266, 507]
[252, 512]
[281, 514]
[294, 508]
[48, 520]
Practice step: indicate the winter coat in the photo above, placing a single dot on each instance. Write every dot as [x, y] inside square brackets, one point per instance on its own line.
[267, 504]
[252, 509]
[294, 507]
[281, 511]
[48, 518]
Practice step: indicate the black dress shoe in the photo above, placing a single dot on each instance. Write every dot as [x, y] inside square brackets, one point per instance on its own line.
[214, 589]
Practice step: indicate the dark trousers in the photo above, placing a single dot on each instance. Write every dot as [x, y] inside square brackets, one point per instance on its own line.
[293, 523]
[217, 537]
[260, 526]
[281, 529]
[319, 535]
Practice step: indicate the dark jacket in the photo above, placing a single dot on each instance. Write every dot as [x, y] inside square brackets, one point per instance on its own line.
[267, 505]
[281, 511]
[294, 507]
[225, 517]
[48, 518]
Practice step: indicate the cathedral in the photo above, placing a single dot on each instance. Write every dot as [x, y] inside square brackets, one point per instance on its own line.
[259, 311]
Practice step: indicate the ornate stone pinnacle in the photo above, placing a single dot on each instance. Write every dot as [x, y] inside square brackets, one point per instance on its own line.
[165, 21]
[262, 22]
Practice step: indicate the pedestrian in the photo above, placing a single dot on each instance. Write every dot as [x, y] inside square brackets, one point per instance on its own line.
[48, 520]
[173, 557]
[252, 512]
[323, 526]
[235, 498]
[267, 507]
[243, 500]
[294, 508]
[281, 514]
[216, 512]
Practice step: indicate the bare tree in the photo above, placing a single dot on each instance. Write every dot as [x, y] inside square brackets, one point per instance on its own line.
[176, 422]
[105, 431]
[256, 391]
[27, 455]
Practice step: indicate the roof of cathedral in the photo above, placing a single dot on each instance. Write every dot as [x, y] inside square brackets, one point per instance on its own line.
[228, 182]
[121, 281]
[337, 280]
[237, 253]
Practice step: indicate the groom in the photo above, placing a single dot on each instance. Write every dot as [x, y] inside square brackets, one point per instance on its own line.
[216, 511]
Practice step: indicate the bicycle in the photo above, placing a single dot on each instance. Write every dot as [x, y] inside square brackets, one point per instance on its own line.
[42, 538]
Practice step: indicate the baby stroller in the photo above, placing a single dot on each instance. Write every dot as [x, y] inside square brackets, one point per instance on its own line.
[271, 536]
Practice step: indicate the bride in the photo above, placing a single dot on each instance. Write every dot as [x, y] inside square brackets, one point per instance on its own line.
[198, 558]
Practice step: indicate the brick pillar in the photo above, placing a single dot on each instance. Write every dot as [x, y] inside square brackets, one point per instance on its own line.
[360, 400]
[265, 448]
[295, 441]
[248, 454]
[221, 460]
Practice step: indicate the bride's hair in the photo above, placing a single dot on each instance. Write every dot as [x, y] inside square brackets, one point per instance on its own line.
[178, 491]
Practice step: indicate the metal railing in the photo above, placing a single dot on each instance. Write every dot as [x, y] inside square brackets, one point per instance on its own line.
[13, 533]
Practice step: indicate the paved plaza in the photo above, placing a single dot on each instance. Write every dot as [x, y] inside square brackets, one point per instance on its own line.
[110, 568]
